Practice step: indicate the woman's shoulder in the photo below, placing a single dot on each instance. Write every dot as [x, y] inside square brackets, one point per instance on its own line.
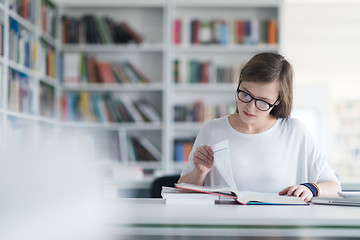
[293, 125]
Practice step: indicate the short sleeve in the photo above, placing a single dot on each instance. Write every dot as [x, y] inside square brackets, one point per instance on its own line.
[318, 168]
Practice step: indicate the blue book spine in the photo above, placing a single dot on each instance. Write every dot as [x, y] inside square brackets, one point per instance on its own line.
[179, 151]
[96, 105]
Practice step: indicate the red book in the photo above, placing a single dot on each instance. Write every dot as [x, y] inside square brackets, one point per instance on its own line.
[105, 73]
[25, 9]
[240, 31]
[205, 72]
[92, 71]
[64, 109]
[177, 31]
[195, 28]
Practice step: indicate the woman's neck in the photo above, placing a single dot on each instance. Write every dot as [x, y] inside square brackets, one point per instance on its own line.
[258, 127]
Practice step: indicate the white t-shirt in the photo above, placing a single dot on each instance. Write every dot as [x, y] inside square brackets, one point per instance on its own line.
[270, 161]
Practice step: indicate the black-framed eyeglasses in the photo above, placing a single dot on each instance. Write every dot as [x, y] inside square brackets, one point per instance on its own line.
[260, 104]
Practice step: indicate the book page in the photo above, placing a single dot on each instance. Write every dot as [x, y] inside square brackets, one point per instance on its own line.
[222, 162]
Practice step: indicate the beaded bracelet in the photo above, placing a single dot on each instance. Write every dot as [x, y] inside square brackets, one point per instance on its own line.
[313, 188]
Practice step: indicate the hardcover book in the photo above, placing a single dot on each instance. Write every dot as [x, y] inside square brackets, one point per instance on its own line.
[244, 197]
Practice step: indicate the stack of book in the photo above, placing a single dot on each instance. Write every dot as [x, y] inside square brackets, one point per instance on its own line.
[174, 195]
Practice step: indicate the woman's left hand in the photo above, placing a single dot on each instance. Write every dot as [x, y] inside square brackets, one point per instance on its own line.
[298, 191]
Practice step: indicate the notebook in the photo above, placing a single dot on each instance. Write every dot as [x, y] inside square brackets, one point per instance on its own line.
[343, 200]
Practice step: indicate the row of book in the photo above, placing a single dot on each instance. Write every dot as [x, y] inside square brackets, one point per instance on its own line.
[88, 107]
[182, 149]
[142, 149]
[47, 60]
[25, 8]
[22, 45]
[253, 31]
[93, 29]
[1, 38]
[20, 93]
[80, 68]
[195, 71]
[48, 17]
[201, 112]
[47, 100]
[135, 147]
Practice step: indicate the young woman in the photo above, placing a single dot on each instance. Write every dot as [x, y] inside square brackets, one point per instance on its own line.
[268, 150]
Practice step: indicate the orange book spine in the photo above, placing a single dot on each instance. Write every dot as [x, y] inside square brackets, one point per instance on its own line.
[272, 29]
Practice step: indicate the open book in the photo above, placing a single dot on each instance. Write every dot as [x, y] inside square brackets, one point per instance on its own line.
[244, 197]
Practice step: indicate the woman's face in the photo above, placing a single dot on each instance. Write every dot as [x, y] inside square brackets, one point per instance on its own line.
[266, 92]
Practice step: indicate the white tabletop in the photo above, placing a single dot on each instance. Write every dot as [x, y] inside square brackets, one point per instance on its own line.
[154, 217]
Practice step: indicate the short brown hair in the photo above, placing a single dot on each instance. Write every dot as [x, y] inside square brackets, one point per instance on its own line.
[269, 67]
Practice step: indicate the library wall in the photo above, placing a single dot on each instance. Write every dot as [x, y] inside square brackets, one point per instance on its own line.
[322, 42]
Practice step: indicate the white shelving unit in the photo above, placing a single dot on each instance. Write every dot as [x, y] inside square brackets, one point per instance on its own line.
[17, 125]
[155, 56]
[151, 57]
[228, 54]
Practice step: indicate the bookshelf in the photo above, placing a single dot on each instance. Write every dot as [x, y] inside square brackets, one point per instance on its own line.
[28, 69]
[117, 135]
[60, 90]
[210, 43]
[156, 56]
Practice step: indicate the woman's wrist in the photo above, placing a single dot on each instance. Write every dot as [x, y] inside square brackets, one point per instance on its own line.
[313, 188]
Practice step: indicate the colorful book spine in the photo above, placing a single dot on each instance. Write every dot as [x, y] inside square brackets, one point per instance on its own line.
[205, 72]
[78, 68]
[24, 8]
[1, 38]
[48, 17]
[224, 32]
[21, 45]
[182, 149]
[143, 149]
[177, 31]
[47, 59]
[106, 108]
[91, 29]
[47, 100]
[20, 93]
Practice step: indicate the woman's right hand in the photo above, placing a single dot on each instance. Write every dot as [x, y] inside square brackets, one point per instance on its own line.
[204, 158]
